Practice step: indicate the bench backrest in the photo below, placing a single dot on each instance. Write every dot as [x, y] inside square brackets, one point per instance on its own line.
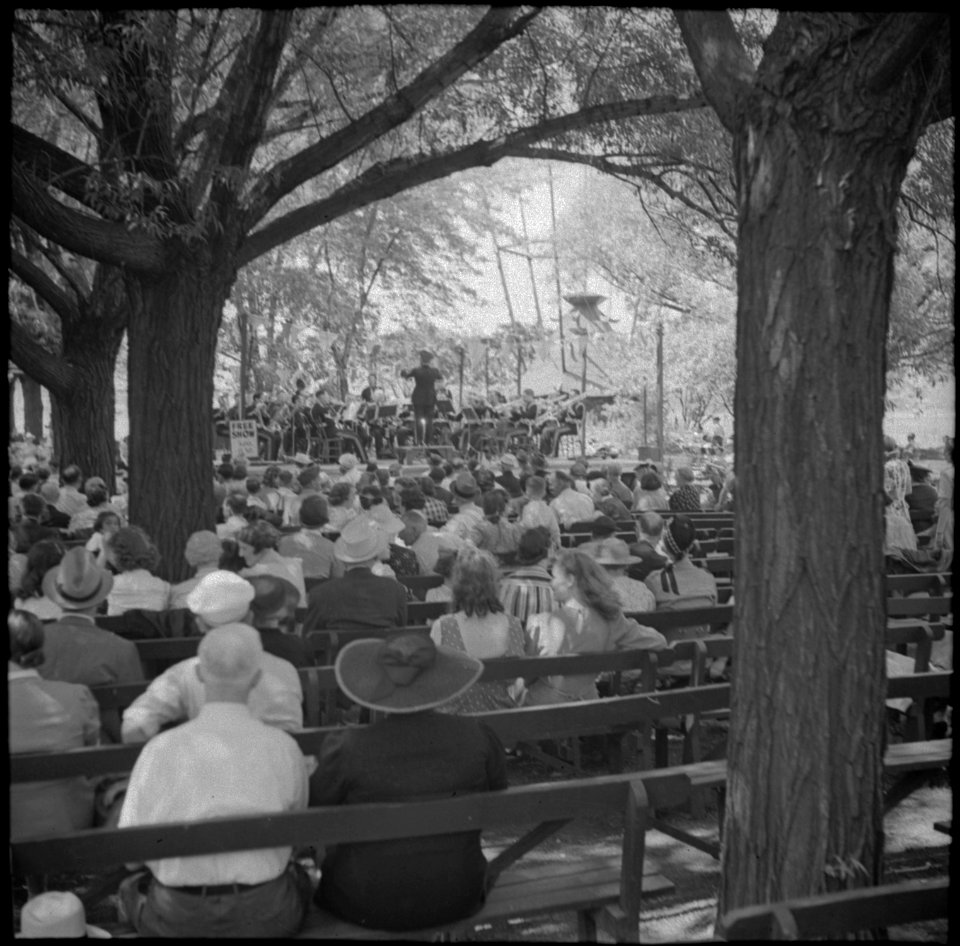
[934, 583]
[95, 850]
[527, 724]
[833, 915]
[718, 617]
[419, 584]
[425, 612]
[918, 607]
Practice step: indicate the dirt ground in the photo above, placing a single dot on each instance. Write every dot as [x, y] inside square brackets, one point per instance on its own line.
[914, 850]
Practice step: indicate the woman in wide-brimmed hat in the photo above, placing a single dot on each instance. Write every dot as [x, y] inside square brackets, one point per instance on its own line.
[411, 752]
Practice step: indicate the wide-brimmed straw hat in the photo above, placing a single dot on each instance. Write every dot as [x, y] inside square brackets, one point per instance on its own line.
[613, 551]
[77, 583]
[380, 513]
[361, 540]
[404, 673]
[56, 914]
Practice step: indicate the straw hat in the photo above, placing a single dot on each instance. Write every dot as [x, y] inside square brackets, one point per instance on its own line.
[380, 513]
[56, 914]
[77, 583]
[404, 673]
[613, 551]
[347, 461]
[509, 462]
[360, 540]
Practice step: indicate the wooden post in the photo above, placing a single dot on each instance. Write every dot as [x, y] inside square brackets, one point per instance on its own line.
[461, 351]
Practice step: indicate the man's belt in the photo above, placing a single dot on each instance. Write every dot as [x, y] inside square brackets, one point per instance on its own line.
[219, 890]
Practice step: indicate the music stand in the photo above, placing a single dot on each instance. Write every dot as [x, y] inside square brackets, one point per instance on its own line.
[445, 407]
[470, 415]
[388, 410]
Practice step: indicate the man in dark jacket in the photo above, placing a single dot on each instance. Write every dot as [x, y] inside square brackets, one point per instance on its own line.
[359, 599]
[424, 397]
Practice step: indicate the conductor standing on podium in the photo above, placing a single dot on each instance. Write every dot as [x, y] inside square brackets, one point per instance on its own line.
[424, 397]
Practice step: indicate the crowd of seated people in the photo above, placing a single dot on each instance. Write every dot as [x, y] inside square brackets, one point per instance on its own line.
[332, 548]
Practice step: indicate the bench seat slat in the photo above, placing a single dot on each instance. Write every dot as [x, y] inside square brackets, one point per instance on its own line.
[555, 887]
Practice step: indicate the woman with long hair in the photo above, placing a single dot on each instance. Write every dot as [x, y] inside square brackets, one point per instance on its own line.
[587, 619]
[480, 627]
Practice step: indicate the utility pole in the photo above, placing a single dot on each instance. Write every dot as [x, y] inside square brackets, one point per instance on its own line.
[533, 281]
[556, 274]
[660, 388]
[586, 308]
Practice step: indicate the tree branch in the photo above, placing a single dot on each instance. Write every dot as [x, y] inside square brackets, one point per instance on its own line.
[719, 58]
[31, 274]
[391, 177]
[50, 164]
[81, 233]
[39, 363]
[497, 26]
[253, 76]
[901, 37]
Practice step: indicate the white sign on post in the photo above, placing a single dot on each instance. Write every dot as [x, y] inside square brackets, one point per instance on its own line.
[243, 439]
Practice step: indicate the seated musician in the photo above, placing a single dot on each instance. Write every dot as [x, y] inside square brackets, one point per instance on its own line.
[321, 414]
[268, 434]
[527, 411]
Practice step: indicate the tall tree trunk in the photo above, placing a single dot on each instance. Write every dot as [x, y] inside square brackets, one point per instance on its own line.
[32, 407]
[83, 400]
[804, 811]
[11, 390]
[174, 322]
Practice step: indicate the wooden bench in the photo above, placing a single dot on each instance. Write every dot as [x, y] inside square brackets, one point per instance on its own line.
[919, 607]
[426, 612]
[618, 715]
[933, 583]
[717, 617]
[570, 540]
[604, 891]
[420, 584]
[835, 915]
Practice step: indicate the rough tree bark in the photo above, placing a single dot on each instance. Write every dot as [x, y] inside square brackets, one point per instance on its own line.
[820, 151]
[80, 377]
[32, 407]
[174, 322]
